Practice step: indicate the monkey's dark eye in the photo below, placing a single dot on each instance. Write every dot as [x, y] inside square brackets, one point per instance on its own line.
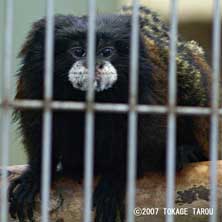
[106, 52]
[78, 52]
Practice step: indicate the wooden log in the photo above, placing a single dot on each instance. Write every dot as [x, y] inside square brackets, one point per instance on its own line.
[192, 196]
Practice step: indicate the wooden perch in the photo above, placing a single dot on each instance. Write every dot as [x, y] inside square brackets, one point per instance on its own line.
[192, 191]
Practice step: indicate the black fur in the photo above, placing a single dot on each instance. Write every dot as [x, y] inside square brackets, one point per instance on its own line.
[110, 128]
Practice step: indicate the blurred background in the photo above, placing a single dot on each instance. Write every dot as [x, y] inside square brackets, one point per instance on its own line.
[195, 23]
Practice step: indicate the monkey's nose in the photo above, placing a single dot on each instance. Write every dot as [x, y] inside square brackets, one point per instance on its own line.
[100, 66]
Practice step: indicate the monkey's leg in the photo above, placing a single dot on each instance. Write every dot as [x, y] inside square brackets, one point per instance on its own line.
[109, 197]
[187, 154]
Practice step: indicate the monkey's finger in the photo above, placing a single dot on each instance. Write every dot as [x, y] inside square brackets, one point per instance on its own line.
[30, 203]
[12, 186]
[99, 214]
[12, 210]
[100, 192]
[21, 203]
[110, 210]
[13, 202]
[106, 210]
[99, 211]
[122, 211]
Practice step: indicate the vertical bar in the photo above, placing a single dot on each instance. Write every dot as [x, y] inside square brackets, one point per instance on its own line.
[47, 115]
[171, 132]
[89, 127]
[132, 120]
[5, 120]
[214, 134]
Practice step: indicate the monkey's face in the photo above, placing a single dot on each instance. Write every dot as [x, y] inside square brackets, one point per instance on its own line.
[105, 73]
[71, 72]
[111, 52]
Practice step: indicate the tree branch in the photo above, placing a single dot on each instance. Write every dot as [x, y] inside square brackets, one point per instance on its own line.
[192, 191]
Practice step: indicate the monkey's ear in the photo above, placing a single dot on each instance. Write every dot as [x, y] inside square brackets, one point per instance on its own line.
[35, 38]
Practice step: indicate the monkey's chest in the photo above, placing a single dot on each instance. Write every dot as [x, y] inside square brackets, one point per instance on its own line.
[109, 141]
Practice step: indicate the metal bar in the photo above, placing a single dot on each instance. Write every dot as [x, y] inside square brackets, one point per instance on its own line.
[171, 133]
[47, 115]
[193, 110]
[133, 115]
[5, 128]
[5, 118]
[89, 127]
[214, 133]
[106, 107]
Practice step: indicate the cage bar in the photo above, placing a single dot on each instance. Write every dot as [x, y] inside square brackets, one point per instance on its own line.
[214, 132]
[172, 92]
[133, 115]
[5, 117]
[89, 127]
[47, 112]
[107, 107]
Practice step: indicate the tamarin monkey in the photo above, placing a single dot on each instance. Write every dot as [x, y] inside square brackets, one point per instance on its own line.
[111, 84]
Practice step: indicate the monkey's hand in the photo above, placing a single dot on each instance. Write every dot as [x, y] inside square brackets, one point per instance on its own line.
[109, 199]
[22, 192]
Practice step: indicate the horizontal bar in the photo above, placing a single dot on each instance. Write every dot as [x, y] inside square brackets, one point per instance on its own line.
[105, 107]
